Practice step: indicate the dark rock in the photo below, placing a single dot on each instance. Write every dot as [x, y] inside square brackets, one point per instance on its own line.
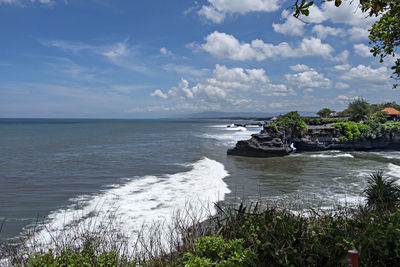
[317, 138]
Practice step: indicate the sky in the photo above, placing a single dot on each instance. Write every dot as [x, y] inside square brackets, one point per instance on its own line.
[161, 58]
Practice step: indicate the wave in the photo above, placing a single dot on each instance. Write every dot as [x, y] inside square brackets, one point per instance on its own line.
[339, 155]
[229, 136]
[143, 201]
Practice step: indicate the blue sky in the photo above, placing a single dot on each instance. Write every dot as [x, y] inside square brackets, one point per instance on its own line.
[158, 58]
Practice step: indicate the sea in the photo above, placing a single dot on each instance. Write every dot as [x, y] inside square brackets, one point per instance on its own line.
[54, 172]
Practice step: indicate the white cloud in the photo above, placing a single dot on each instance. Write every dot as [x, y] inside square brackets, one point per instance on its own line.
[226, 86]
[324, 31]
[216, 10]
[341, 85]
[185, 70]
[165, 52]
[222, 45]
[120, 53]
[300, 67]
[367, 75]
[342, 67]
[348, 13]
[292, 26]
[159, 93]
[22, 3]
[358, 33]
[308, 79]
[362, 50]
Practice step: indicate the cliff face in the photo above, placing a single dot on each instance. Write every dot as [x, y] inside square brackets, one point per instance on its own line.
[317, 138]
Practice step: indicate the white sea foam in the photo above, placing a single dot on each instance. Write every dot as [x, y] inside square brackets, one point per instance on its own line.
[229, 136]
[389, 154]
[143, 201]
[336, 155]
[394, 172]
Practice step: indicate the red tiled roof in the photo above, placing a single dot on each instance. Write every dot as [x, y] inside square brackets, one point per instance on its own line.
[391, 111]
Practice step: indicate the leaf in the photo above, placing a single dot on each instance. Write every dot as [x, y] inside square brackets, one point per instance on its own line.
[338, 2]
[305, 12]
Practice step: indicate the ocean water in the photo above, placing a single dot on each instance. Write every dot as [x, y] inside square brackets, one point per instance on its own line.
[53, 172]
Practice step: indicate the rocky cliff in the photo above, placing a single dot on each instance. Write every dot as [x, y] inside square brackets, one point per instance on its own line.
[272, 143]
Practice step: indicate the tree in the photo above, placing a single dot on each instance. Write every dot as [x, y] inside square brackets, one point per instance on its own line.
[325, 112]
[293, 123]
[382, 193]
[358, 110]
[384, 34]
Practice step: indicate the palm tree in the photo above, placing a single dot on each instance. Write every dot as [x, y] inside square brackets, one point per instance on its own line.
[382, 193]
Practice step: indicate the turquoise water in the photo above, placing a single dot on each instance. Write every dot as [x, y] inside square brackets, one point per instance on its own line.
[51, 170]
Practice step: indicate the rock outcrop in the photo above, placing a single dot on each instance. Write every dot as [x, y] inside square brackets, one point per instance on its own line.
[272, 143]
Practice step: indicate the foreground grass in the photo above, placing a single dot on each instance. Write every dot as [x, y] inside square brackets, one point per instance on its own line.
[252, 235]
[269, 236]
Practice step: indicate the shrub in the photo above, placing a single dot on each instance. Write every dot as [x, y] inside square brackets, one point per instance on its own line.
[273, 127]
[293, 122]
[352, 130]
[214, 251]
[382, 193]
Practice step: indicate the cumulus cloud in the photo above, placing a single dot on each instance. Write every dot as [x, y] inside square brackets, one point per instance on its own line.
[217, 10]
[367, 75]
[308, 79]
[324, 31]
[159, 93]
[292, 26]
[224, 84]
[165, 52]
[362, 50]
[348, 13]
[341, 85]
[342, 67]
[225, 46]
[300, 67]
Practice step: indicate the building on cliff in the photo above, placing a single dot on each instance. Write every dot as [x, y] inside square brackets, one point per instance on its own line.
[393, 113]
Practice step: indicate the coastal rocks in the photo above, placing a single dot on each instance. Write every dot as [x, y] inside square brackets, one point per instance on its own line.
[270, 143]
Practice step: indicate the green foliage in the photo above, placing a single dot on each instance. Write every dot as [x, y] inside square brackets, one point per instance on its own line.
[319, 121]
[352, 130]
[325, 112]
[278, 139]
[293, 123]
[85, 257]
[382, 193]
[273, 127]
[380, 116]
[214, 251]
[358, 110]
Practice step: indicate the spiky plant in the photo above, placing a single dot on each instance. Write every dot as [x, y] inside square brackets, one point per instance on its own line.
[382, 193]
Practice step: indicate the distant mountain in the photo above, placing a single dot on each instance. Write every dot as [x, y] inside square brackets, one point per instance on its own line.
[220, 114]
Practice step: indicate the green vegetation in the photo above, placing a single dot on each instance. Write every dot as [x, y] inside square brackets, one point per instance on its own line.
[370, 129]
[382, 193]
[319, 121]
[352, 130]
[273, 127]
[358, 110]
[84, 257]
[293, 122]
[278, 139]
[325, 112]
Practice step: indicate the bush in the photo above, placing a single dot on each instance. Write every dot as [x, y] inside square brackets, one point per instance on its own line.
[352, 131]
[382, 193]
[214, 251]
[293, 123]
[273, 127]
